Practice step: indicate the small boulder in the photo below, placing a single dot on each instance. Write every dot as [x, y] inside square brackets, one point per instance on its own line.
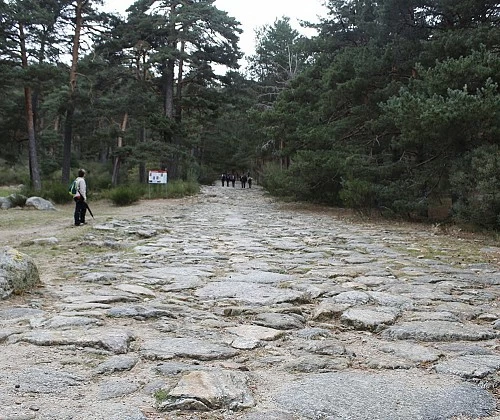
[39, 203]
[18, 272]
[5, 203]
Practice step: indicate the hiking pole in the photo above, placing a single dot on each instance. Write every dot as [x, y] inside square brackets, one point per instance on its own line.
[88, 208]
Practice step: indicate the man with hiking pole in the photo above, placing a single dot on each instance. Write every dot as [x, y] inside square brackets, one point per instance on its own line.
[80, 198]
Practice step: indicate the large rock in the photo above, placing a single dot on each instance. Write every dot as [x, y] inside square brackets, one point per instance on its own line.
[39, 203]
[364, 395]
[18, 272]
[205, 391]
[5, 203]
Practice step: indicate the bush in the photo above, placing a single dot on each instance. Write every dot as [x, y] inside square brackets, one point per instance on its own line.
[178, 188]
[358, 194]
[126, 195]
[56, 192]
[17, 200]
[313, 176]
[13, 175]
[278, 182]
[476, 187]
[207, 175]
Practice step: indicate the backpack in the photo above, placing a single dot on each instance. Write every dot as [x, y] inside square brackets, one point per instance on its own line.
[73, 188]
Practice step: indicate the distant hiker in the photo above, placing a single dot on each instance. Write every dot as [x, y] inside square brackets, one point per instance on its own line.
[244, 181]
[232, 177]
[249, 182]
[80, 198]
[223, 179]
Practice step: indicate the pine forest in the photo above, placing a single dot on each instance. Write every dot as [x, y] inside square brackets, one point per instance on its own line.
[393, 106]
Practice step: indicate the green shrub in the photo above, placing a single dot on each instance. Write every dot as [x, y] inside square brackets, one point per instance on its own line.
[207, 175]
[17, 200]
[278, 182]
[161, 396]
[56, 192]
[179, 188]
[126, 195]
[13, 175]
[475, 184]
[358, 194]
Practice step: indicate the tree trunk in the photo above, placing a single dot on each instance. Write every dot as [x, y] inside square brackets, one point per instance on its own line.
[30, 122]
[142, 165]
[68, 134]
[168, 79]
[68, 126]
[119, 145]
[178, 111]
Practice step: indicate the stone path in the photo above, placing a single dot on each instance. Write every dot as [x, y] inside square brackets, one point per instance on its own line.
[229, 306]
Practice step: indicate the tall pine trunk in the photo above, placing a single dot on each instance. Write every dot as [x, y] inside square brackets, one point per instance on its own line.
[68, 126]
[119, 145]
[30, 122]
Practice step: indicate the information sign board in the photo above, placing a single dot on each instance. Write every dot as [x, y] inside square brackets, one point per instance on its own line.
[157, 177]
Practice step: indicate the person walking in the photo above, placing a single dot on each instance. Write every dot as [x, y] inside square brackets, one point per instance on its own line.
[243, 181]
[80, 198]
[249, 180]
[223, 179]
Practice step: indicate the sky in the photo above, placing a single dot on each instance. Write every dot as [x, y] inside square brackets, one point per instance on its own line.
[253, 14]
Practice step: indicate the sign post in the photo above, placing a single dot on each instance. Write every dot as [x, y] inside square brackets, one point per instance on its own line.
[157, 177]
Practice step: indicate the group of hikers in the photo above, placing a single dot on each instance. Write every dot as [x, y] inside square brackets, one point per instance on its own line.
[232, 178]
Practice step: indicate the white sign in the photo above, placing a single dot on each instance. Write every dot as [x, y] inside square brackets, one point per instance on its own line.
[157, 177]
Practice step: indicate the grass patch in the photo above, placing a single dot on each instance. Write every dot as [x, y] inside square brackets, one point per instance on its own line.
[161, 396]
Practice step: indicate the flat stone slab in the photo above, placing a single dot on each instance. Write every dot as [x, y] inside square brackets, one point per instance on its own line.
[116, 388]
[328, 347]
[438, 331]
[117, 364]
[46, 381]
[353, 298]
[279, 321]
[248, 293]
[328, 310]
[470, 366]
[204, 391]
[172, 368]
[389, 395]
[191, 348]
[387, 299]
[104, 299]
[256, 332]
[115, 341]
[65, 322]
[139, 312]
[20, 313]
[411, 351]
[316, 363]
[368, 319]
[173, 273]
[183, 283]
